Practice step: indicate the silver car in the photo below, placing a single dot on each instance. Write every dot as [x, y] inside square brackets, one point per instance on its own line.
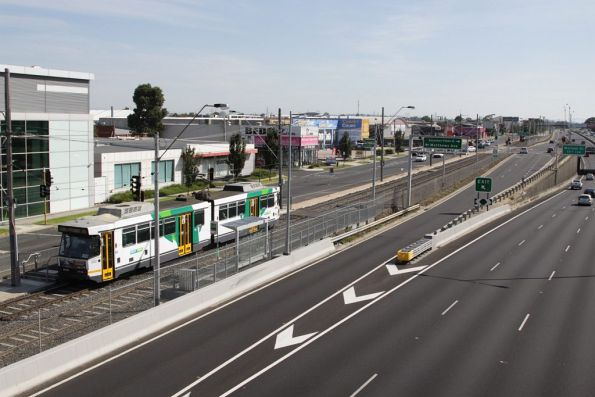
[585, 199]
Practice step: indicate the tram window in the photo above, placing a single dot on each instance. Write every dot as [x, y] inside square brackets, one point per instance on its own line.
[144, 232]
[263, 202]
[241, 207]
[222, 212]
[199, 218]
[233, 209]
[168, 226]
[271, 201]
[129, 236]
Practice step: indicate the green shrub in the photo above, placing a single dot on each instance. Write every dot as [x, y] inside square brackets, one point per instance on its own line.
[120, 197]
[378, 152]
[389, 151]
[262, 173]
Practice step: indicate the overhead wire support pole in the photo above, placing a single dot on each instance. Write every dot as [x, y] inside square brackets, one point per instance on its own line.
[288, 202]
[280, 159]
[157, 266]
[382, 146]
[374, 163]
[15, 276]
[409, 171]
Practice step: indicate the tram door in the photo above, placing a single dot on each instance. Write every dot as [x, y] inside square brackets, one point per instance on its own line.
[107, 256]
[185, 226]
[254, 206]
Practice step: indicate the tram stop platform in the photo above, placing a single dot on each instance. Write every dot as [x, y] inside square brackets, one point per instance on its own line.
[8, 292]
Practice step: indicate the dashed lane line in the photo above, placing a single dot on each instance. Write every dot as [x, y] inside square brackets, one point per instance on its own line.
[450, 307]
[524, 322]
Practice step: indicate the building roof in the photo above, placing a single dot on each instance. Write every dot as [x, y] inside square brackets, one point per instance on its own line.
[39, 71]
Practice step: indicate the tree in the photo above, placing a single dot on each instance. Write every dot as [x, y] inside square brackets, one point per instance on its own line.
[190, 167]
[590, 123]
[427, 119]
[237, 155]
[459, 119]
[345, 146]
[149, 112]
[271, 149]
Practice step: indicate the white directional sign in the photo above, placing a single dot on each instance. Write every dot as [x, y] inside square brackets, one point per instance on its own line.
[285, 338]
[349, 296]
[393, 270]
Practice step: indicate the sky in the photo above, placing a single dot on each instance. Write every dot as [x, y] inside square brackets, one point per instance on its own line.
[526, 58]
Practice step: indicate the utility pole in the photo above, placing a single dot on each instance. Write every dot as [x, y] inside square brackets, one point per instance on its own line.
[15, 276]
[157, 267]
[374, 163]
[476, 141]
[280, 160]
[288, 212]
[409, 170]
[382, 146]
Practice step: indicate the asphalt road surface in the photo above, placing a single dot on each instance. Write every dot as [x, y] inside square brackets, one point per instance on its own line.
[279, 334]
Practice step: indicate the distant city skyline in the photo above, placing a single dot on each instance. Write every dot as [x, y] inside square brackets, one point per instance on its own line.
[526, 59]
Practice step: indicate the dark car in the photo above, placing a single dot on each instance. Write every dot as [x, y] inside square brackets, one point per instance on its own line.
[590, 192]
[550, 150]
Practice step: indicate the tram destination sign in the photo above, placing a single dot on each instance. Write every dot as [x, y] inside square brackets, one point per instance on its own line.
[442, 143]
[483, 184]
[576, 150]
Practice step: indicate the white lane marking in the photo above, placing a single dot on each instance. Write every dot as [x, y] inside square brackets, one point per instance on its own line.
[364, 385]
[450, 307]
[554, 215]
[564, 207]
[495, 266]
[285, 338]
[540, 226]
[524, 321]
[522, 242]
[394, 270]
[361, 309]
[187, 395]
[567, 248]
[350, 297]
[586, 218]
[578, 231]
[551, 276]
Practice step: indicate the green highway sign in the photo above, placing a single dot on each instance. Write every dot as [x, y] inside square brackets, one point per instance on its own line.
[436, 142]
[576, 150]
[483, 184]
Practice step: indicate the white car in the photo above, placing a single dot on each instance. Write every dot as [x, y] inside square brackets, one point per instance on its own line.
[420, 157]
[471, 149]
[585, 199]
[524, 150]
[438, 155]
[576, 184]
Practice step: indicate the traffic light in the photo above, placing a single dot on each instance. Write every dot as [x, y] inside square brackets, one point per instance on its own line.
[135, 187]
[44, 191]
[47, 177]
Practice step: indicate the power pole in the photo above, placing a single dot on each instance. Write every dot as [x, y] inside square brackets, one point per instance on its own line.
[374, 162]
[15, 276]
[382, 146]
[288, 212]
[157, 267]
[280, 160]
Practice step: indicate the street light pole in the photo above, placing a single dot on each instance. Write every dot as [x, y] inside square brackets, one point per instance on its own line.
[157, 267]
[280, 159]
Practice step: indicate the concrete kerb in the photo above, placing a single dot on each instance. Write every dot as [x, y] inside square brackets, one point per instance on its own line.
[34, 371]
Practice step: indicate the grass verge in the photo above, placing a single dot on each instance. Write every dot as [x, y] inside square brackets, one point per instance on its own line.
[62, 219]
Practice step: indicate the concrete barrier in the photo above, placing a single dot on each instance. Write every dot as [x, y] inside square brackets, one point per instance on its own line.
[453, 233]
[34, 371]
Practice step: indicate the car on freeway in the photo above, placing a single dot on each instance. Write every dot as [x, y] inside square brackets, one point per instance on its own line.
[331, 161]
[524, 151]
[589, 177]
[438, 155]
[590, 192]
[550, 150]
[585, 199]
[551, 141]
[420, 157]
[471, 149]
[576, 184]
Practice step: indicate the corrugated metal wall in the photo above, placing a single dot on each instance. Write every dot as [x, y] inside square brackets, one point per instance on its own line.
[27, 97]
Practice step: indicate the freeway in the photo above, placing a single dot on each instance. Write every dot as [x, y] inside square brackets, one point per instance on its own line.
[505, 314]
[173, 362]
